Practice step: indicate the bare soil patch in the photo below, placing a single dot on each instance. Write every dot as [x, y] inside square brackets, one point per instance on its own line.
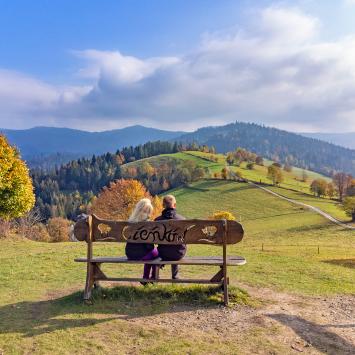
[311, 325]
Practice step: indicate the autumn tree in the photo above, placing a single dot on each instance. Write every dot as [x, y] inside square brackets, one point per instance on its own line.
[330, 190]
[274, 173]
[350, 191]
[259, 160]
[319, 187]
[342, 181]
[16, 190]
[146, 170]
[118, 200]
[349, 207]
[288, 168]
[224, 173]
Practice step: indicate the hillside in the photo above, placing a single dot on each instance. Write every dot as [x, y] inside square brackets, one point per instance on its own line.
[278, 145]
[346, 140]
[296, 262]
[291, 187]
[46, 146]
[43, 141]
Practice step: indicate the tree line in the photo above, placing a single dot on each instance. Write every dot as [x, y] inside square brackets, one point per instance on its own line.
[67, 190]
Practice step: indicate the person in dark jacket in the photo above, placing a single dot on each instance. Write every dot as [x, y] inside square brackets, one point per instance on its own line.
[171, 252]
[142, 251]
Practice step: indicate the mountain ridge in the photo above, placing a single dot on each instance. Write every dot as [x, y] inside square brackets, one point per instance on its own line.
[44, 140]
[346, 140]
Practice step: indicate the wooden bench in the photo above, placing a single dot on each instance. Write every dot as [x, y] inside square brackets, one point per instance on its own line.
[213, 232]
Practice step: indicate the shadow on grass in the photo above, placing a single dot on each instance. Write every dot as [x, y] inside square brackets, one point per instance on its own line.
[122, 302]
[350, 263]
[317, 335]
[309, 227]
[272, 216]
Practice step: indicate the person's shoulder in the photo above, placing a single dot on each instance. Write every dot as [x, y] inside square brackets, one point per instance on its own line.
[159, 218]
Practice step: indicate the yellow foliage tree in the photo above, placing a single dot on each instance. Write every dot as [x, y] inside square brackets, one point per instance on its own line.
[16, 189]
[118, 200]
[222, 215]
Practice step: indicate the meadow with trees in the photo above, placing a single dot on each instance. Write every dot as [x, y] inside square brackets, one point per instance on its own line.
[290, 251]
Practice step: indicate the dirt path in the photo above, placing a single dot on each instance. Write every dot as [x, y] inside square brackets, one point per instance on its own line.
[287, 323]
[312, 208]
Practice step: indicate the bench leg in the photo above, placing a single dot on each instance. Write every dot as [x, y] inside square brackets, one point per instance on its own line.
[156, 269]
[89, 281]
[225, 291]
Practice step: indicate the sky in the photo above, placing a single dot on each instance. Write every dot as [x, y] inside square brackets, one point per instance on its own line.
[177, 65]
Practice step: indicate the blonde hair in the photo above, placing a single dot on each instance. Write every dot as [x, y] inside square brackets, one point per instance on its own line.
[169, 201]
[142, 211]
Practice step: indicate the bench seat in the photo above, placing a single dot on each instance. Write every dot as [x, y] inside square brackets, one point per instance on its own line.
[190, 260]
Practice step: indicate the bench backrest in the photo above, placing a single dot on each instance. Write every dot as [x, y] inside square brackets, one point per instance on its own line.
[193, 231]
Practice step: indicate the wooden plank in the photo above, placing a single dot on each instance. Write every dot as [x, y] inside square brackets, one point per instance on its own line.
[214, 260]
[173, 232]
[181, 281]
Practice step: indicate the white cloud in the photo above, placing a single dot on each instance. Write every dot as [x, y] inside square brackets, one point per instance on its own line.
[276, 71]
[349, 2]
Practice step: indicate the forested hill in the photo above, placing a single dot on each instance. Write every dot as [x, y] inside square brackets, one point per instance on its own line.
[277, 145]
[38, 142]
[343, 139]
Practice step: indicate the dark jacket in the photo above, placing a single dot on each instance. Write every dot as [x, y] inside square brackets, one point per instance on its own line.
[171, 252]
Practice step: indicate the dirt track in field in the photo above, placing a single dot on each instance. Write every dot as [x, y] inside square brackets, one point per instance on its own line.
[300, 324]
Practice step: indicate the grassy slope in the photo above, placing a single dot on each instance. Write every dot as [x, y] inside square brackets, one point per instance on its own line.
[329, 206]
[259, 173]
[31, 273]
[290, 236]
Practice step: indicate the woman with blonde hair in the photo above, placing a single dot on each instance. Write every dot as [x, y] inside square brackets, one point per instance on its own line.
[142, 251]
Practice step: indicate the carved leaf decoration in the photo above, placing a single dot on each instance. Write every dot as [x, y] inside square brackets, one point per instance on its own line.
[209, 231]
[104, 229]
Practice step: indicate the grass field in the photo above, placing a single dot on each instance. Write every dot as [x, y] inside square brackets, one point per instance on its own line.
[290, 234]
[292, 180]
[331, 207]
[41, 310]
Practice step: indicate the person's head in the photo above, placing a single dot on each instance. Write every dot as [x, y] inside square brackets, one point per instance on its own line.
[169, 201]
[142, 211]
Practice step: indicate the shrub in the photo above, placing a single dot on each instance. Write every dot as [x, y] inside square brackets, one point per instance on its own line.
[25, 224]
[250, 166]
[58, 229]
[222, 215]
[38, 233]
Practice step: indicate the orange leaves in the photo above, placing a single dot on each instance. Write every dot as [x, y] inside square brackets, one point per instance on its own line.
[118, 200]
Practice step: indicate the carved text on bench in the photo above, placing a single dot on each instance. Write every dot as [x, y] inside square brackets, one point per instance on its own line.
[162, 233]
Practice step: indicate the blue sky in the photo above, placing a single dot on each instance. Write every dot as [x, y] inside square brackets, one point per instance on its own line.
[105, 64]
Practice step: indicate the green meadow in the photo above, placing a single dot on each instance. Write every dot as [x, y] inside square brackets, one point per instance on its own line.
[288, 249]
